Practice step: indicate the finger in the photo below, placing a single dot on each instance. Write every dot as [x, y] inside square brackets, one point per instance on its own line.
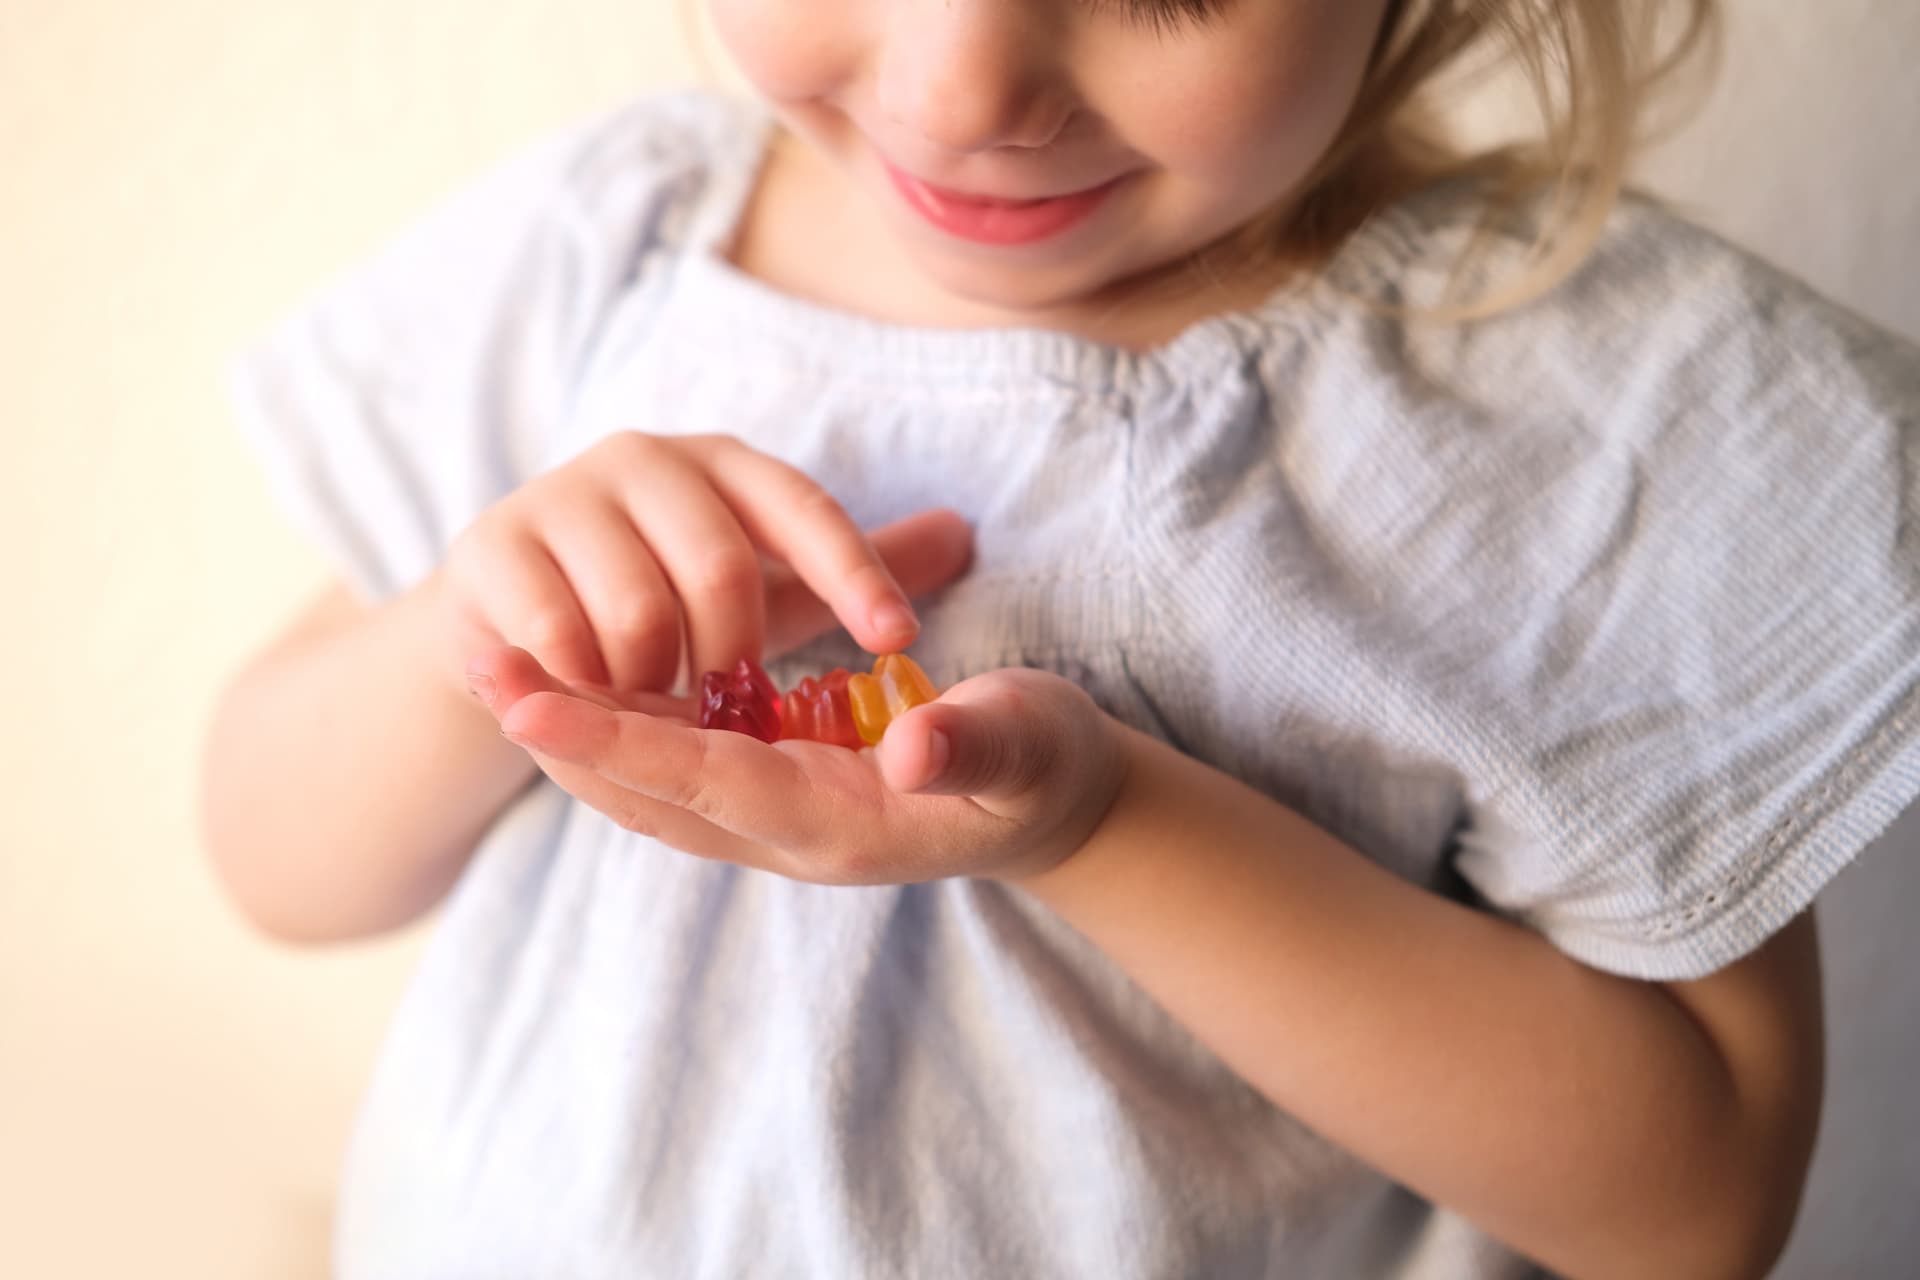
[648, 817]
[733, 781]
[786, 512]
[530, 603]
[697, 539]
[503, 675]
[924, 552]
[623, 593]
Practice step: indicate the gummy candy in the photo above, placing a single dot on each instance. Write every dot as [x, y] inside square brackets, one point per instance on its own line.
[896, 685]
[745, 701]
[819, 710]
[840, 708]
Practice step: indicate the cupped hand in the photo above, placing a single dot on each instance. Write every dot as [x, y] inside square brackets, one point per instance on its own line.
[1006, 775]
[648, 559]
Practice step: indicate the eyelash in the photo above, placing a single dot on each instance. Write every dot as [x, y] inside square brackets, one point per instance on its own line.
[1166, 16]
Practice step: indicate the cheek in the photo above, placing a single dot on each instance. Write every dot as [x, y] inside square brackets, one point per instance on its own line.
[789, 50]
[1262, 109]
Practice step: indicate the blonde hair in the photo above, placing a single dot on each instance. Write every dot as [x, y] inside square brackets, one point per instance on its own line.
[1595, 68]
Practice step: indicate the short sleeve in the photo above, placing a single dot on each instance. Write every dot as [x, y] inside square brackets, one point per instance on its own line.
[1688, 698]
[403, 398]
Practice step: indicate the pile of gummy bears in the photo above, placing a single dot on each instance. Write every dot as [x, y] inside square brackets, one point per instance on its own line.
[847, 709]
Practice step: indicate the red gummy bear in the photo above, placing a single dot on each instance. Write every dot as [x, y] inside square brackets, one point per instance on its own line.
[819, 710]
[744, 702]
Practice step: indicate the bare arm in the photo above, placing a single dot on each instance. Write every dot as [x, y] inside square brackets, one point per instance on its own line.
[1604, 1126]
[345, 780]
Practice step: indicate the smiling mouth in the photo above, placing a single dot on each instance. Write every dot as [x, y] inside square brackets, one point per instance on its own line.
[995, 219]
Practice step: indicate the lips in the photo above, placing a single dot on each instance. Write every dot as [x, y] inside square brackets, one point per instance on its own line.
[995, 219]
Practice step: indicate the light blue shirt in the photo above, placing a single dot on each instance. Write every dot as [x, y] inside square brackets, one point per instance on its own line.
[1601, 614]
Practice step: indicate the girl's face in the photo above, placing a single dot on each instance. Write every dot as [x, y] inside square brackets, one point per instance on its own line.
[1033, 154]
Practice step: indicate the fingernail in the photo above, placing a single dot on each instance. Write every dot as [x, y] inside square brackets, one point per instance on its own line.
[939, 752]
[481, 687]
[894, 619]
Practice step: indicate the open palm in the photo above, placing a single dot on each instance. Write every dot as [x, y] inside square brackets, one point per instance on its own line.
[1005, 775]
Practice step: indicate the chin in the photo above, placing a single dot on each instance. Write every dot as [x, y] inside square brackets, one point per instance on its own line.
[1011, 287]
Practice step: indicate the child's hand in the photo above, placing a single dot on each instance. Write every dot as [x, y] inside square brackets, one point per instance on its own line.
[1028, 768]
[644, 551]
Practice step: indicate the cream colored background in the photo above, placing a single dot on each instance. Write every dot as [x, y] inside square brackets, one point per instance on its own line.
[175, 1092]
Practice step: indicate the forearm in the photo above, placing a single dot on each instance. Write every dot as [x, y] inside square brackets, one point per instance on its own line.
[1587, 1120]
[345, 782]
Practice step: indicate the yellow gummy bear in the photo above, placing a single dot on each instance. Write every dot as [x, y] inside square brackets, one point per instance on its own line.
[897, 684]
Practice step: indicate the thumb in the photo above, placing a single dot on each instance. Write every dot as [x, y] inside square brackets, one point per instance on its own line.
[970, 749]
[924, 552]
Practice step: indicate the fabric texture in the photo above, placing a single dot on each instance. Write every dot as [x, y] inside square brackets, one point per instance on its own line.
[1601, 614]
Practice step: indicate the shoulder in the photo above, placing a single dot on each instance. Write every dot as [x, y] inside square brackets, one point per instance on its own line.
[1660, 306]
[1669, 347]
[1637, 559]
[682, 144]
[407, 391]
[540, 244]
[579, 201]
[1413, 251]
[643, 172]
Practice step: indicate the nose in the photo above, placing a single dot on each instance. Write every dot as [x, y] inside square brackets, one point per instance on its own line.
[972, 75]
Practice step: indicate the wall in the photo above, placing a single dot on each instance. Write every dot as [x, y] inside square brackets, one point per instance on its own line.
[175, 1092]
[1805, 154]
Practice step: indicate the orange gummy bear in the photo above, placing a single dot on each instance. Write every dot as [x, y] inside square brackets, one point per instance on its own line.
[896, 685]
[819, 710]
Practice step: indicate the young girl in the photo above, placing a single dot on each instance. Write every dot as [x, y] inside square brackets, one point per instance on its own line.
[1417, 633]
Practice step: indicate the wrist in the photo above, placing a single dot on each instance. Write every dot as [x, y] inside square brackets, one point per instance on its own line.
[427, 634]
[429, 639]
[1136, 768]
